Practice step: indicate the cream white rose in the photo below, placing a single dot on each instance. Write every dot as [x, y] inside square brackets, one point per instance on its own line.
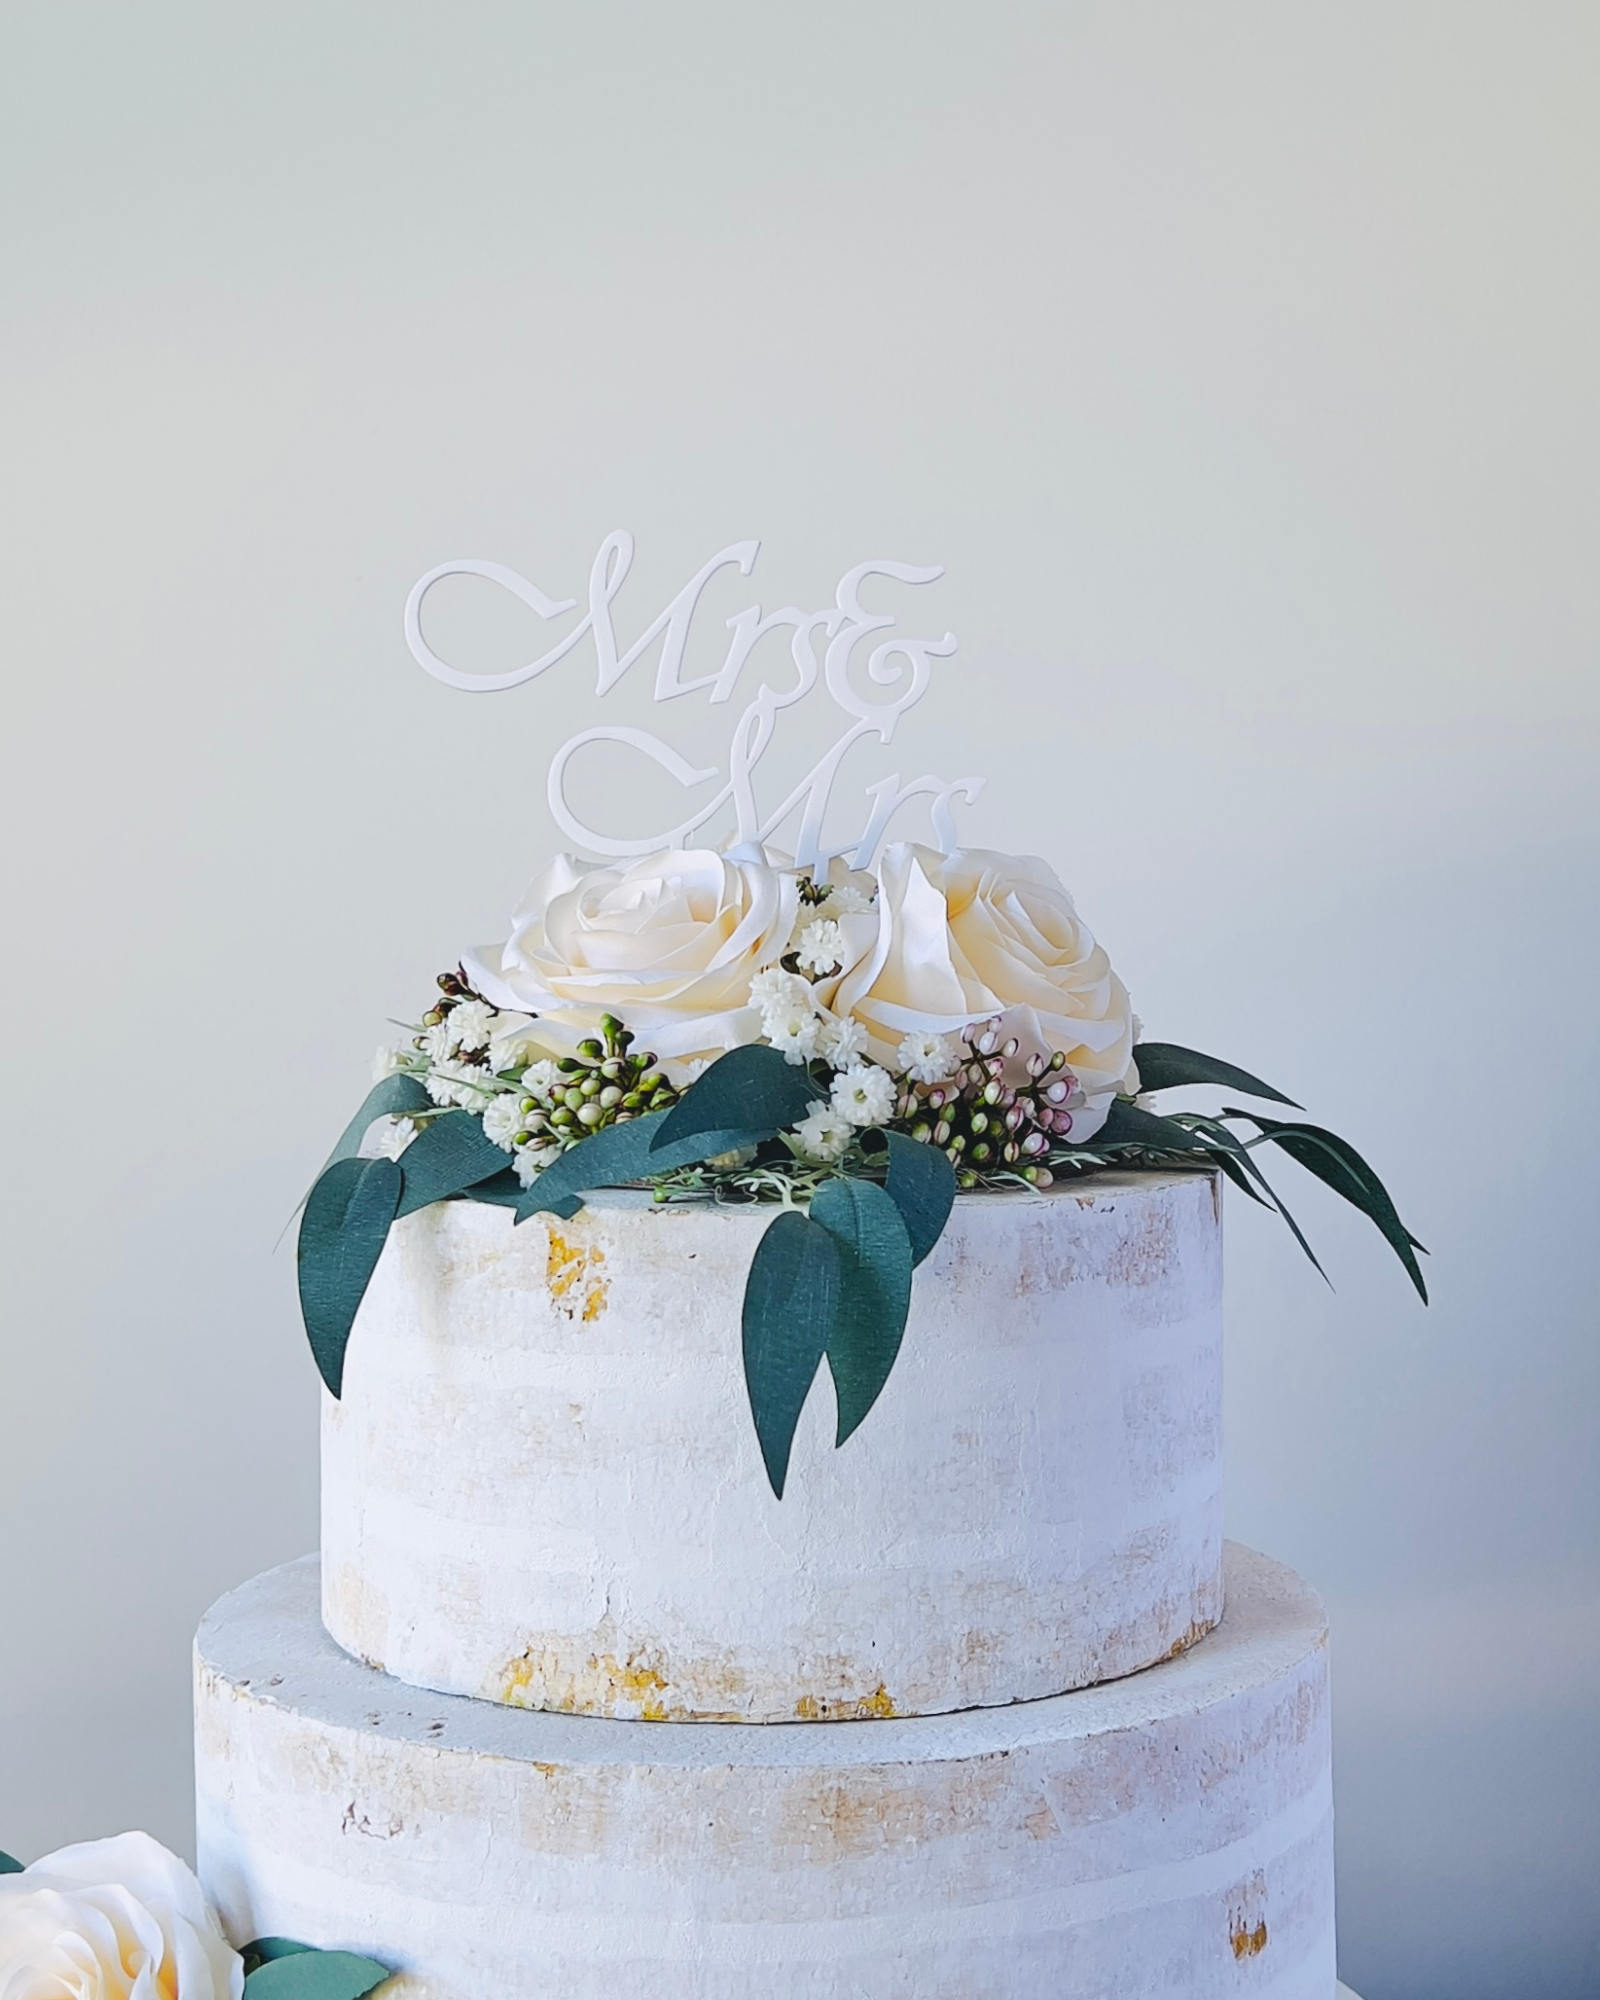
[668, 944]
[118, 1919]
[965, 937]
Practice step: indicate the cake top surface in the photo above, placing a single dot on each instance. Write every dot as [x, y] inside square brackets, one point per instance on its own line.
[267, 1640]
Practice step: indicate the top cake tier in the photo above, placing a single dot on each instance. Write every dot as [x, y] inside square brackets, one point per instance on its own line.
[541, 1486]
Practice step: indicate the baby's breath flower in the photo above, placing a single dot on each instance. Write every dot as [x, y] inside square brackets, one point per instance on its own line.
[473, 1024]
[821, 946]
[928, 1058]
[540, 1078]
[439, 1041]
[841, 1041]
[824, 1135]
[847, 901]
[796, 1034]
[450, 1082]
[503, 1118]
[387, 1139]
[864, 1094]
[531, 1161]
[386, 1060]
[774, 987]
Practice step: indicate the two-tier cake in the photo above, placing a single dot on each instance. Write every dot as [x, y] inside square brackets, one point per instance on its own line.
[771, 1457]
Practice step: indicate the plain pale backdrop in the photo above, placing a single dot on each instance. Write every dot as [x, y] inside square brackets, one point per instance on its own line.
[1239, 363]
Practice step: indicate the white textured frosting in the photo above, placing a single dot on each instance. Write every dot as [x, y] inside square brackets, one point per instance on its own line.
[543, 1487]
[1164, 1836]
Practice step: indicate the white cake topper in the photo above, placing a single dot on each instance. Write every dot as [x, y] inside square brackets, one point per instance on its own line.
[901, 664]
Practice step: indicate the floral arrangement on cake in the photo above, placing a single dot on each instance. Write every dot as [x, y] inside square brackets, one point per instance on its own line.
[855, 1048]
[124, 1919]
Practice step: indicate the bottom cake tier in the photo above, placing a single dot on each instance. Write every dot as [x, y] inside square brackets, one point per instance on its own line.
[1170, 1834]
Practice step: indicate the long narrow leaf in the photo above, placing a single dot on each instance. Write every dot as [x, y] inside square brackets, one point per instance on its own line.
[10, 1865]
[1336, 1162]
[342, 1234]
[1130, 1125]
[869, 1320]
[1167, 1066]
[790, 1298]
[1234, 1158]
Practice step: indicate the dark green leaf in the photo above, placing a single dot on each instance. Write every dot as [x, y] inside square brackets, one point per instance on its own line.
[10, 1865]
[1337, 1163]
[395, 1096]
[789, 1301]
[619, 1153]
[922, 1184]
[1128, 1125]
[1239, 1165]
[342, 1234]
[259, 1950]
[1164, 1066]
[315, 1975]
[754, 1090]
[447, 1155]
[874, 1291]
[501, 1190]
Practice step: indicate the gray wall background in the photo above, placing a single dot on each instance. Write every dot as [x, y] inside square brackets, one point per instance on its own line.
[1238, 360]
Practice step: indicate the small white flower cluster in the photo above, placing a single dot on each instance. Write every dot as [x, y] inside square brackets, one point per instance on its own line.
[862, 1095]
[796, 1020]
[484, 1061]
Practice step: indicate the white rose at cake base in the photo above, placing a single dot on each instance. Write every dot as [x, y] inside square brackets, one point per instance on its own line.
[118, 1919]
[962, 937]
[669, 944]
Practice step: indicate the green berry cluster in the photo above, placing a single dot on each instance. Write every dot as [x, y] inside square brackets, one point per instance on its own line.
[605, 1083]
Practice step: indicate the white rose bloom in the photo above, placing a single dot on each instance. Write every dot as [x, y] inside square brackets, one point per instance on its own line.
[841, 1042]
[668, 944]
[503, 1118]
[474, 1024]
[928, 1058]
[820, 946]
[864, 1094]
[118, 1919]
[973, 935]
[823, 1135]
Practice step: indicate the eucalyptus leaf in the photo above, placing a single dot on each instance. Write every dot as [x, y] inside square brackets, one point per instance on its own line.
[10, 1865]
[259, 1950]
[753, 1089]
[447, 1156]
[395, 1096]
[501, 1190]
[315, 1975]
[619, 1153]
[790, 1298]
[922, 1184]
[1166, 1066]
[874, 1291]
[342, 1234]
[1336, 1162]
